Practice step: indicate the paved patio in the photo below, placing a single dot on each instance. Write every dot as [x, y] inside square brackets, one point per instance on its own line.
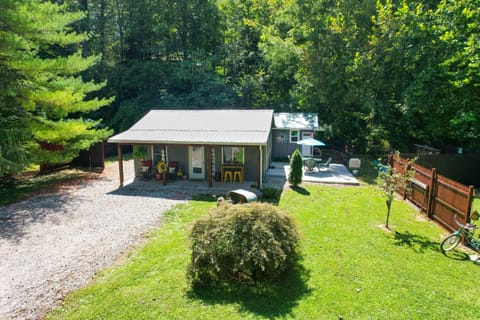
[334, 174]
[185, 186]
[276, 177]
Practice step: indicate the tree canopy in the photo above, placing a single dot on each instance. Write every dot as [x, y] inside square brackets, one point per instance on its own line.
[384, 73]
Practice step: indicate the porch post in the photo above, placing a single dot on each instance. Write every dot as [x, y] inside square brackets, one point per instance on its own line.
[166, 166]
[120, 162]
[209, 166]
[259, 167]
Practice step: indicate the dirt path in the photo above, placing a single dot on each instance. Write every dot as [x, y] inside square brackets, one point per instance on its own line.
[54, 243]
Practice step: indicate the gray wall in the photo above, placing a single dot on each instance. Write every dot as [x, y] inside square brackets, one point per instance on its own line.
[179, 153]
[281, 150]
[251, 163]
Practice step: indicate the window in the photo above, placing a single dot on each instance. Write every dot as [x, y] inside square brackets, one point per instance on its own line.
[233, 155]
[294, 135]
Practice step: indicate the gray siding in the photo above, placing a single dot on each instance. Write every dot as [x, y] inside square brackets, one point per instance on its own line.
[282, 148]
[251, 163]
[179, 154]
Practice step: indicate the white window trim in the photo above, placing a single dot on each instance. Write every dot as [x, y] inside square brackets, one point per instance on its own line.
[223, 154]
[298, 136]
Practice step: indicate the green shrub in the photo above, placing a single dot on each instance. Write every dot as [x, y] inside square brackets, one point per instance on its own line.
[270, 193]
[296, 168]
[243, 244]
[140, 152]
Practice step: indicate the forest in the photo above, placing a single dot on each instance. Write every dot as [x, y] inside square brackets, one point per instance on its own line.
[383, 73]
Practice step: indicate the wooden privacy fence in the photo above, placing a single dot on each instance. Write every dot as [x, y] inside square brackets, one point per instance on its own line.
[439, 197]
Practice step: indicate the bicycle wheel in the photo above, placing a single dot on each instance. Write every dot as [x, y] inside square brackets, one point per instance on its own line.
[450, 242]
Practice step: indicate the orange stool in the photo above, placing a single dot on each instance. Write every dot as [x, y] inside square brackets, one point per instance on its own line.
[237, 175]
[227, 176]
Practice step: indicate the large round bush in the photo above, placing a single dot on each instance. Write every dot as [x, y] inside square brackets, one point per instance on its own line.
[243, 244]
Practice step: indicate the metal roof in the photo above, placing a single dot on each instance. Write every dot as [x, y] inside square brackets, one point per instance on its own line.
[216, 127]
[284, 120]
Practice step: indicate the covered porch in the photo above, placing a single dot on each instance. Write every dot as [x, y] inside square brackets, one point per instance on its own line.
[209, 146]
[181, 186]
[192, 165]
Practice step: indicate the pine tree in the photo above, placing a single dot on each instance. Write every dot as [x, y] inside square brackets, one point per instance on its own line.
[13, 126]
[46, 56]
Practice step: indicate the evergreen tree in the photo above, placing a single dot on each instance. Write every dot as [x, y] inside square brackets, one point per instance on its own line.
[45, 89]
[296, 171]
[13, 132]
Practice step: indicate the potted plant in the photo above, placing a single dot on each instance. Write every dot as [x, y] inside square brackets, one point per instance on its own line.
[140, 152]
[161, 169]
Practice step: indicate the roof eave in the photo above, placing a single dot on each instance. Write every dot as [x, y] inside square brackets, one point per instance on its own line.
[188, 143]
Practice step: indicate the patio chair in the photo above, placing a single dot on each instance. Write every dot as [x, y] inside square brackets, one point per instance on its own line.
[380, 167]
[146, 168]
[172, 170]
[310, 164]
[325, 164]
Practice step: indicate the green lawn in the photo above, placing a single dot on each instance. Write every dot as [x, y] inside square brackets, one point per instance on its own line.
[352, 269]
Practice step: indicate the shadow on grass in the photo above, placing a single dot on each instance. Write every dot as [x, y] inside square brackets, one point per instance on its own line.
[420, 244]
[456, 255]
[271, 302]
[300, 190]
[417, 243]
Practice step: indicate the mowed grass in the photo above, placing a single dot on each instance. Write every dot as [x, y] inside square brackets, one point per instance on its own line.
[352, 269]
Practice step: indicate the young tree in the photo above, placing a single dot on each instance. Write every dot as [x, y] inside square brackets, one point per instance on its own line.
[54, 100]
[394, 180]
[296, 169]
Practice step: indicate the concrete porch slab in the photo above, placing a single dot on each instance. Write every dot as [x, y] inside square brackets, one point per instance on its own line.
[334, 174]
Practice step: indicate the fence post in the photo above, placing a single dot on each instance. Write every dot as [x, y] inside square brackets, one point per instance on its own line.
[431, 191]
[410, 183]
[469, 204]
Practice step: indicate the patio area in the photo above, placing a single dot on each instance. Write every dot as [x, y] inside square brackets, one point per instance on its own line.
[186, 187]
[334, 174]
[276, 177]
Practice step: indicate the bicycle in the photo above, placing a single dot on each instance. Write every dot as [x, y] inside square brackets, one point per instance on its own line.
[465, 232]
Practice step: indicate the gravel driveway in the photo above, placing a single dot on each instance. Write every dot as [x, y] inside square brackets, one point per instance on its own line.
[54, 243]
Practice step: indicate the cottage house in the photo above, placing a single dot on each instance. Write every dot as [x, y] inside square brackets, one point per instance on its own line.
[288, 129]
[215, 145]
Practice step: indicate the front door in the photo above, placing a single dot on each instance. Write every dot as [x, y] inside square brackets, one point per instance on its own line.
[197, 163]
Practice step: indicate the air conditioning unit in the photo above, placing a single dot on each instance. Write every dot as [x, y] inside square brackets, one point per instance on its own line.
[354, 165]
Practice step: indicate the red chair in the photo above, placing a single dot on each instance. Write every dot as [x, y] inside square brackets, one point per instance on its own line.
[172, 169]
[146, 168]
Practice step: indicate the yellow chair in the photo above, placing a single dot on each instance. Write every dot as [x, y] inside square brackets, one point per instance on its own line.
[237, 176]
[227, 176]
